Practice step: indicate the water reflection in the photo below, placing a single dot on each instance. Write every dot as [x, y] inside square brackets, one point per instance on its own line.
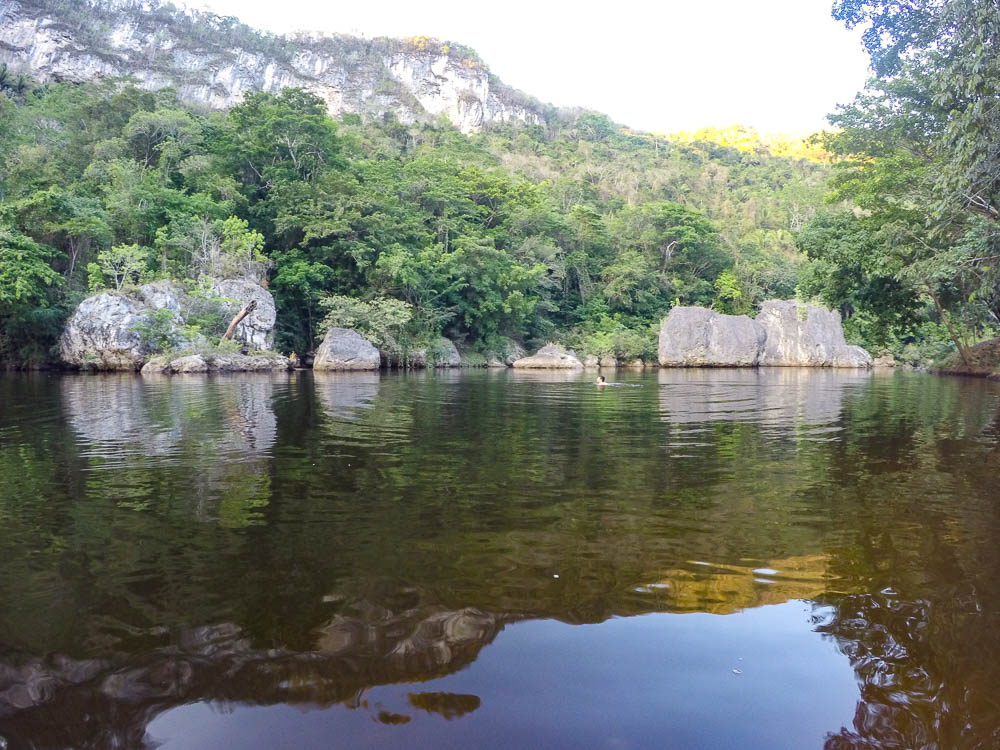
[449, 705]
[124, 416]
[640, 682]
[61, 701]
[780, 397]
[921, 673]
[343, 394]
[700, 586]
[219, 432]
[315, 540]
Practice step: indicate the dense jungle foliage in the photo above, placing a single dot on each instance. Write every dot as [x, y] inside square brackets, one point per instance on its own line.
[580, 231]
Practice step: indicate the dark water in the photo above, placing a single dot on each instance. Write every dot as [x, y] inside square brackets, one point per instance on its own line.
[712, 559]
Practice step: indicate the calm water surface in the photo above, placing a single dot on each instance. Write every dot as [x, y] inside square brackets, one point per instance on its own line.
[698, 559]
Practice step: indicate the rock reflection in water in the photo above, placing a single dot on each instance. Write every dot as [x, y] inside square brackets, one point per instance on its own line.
[781, 396]
[343, 394]
[449, 705]
[60, 702]
[223, 428]
[120, 413]
[125, 415]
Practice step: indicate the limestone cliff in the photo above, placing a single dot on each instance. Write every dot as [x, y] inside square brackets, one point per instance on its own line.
[215, 61]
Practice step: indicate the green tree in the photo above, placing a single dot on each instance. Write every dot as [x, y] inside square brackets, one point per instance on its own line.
[854, 270]
[894, 150]
[152, 134]
[27, 286]
[270, 138]
[25, 275]
[958, 43]
[122, 264]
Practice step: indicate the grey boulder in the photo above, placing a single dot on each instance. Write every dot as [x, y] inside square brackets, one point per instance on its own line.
[511, 351]
[162, 295]
[102, 335]
[344, 349]
[698, 337]
[191, 363]
[247, 362]
[549, 357]
[441, 352]
[256, 330]
[801, 335]
[216, 363]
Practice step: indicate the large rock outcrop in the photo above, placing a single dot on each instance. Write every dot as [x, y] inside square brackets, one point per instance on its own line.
[161, 295]
[344, 349]
[509, 351]
[784, 334]
[697, 337]
[549, 357]
[800, 335]
[102, 335]
[213, 65]
[108, 699]
[256, 330]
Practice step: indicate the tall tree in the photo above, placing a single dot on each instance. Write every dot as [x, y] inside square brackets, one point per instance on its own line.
[920, 147]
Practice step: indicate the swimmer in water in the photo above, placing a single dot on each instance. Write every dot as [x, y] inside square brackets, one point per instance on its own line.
[600, 380]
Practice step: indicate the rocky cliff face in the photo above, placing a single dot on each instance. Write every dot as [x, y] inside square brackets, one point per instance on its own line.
[215, 62]
[109, 700]
[102, 334]
[784, 334]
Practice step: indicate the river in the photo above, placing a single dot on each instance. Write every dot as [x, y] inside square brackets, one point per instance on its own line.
[774, 558]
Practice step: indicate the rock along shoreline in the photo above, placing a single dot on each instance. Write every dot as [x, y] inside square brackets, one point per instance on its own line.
[104, 335]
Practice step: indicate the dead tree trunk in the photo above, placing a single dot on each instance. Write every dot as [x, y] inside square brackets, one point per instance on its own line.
[250, 307]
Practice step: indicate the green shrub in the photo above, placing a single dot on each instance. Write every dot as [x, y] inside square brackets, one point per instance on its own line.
[206, 312]
[159, 331]
[616, 338]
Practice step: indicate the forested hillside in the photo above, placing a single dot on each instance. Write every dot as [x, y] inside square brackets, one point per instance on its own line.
[579, 232]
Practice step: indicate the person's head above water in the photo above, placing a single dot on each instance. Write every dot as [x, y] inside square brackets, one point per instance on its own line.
[600, 380]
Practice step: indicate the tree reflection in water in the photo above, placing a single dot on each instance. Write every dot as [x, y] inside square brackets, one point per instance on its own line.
[927, 671]
[298, 540]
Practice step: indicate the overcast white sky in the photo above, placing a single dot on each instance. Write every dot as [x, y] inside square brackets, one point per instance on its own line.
[777, 65]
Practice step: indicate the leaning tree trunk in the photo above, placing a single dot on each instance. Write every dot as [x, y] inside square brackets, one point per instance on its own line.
[963, 351]
[250, 307]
